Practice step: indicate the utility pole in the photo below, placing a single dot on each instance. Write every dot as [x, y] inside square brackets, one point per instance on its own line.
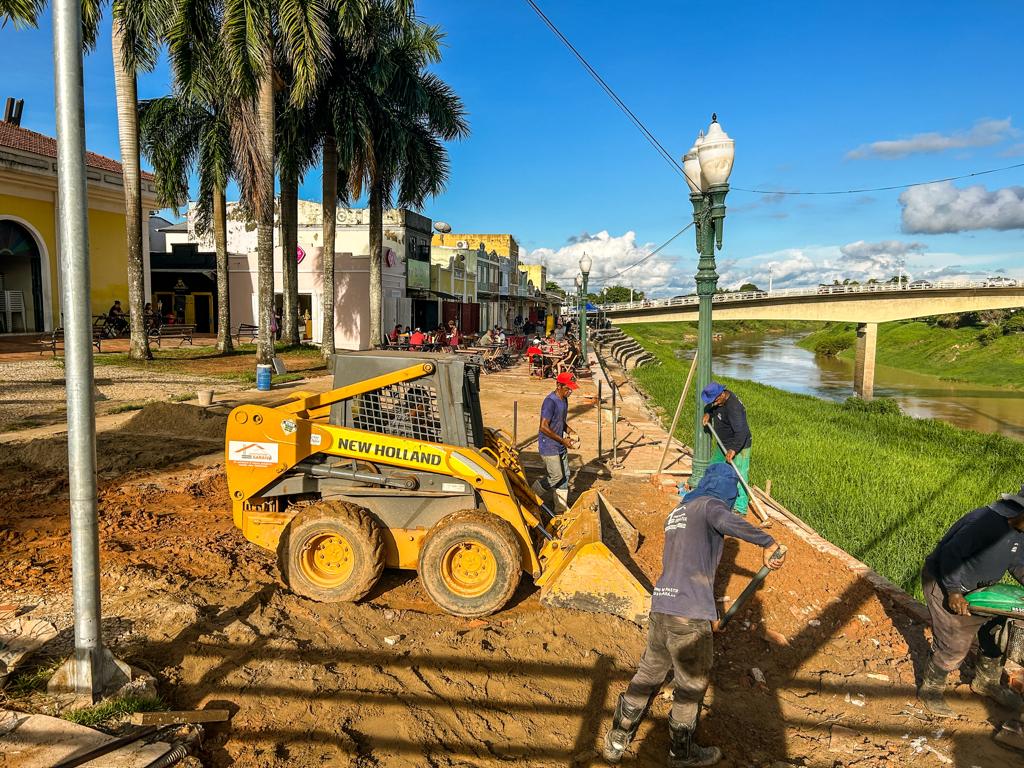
[771, 269]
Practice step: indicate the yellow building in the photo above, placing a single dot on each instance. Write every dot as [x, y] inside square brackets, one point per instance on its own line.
[30, 271]
[503, 245]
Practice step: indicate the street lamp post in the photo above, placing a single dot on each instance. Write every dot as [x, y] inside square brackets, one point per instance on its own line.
[707, 167]
[585, 264]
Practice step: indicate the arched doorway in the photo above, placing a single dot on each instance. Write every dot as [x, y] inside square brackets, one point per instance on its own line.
[21, 270]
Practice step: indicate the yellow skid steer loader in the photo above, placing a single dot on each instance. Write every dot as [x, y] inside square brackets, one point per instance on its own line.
[394, 468]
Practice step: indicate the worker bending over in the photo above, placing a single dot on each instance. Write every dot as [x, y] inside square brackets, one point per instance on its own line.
[977, 551]
[726, 414]
[682, 609]
[553, 442]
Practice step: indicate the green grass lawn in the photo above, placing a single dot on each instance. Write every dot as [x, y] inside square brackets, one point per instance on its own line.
[238, 365]
[883, 487]
[952, 354]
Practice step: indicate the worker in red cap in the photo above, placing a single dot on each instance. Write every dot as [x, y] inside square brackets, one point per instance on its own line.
[554, 439]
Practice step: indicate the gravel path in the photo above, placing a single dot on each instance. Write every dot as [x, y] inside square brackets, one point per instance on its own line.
[33, 394]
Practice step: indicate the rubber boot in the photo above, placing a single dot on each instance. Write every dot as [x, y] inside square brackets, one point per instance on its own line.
[561, 500]
[932, 689]
[988, 674]
[625, 723]
[684, 752]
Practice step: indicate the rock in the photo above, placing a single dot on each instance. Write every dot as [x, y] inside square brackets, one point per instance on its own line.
[863, 619]
[857, 699]
[390, 614]
[392, 639]
[758, 676]
[813, 623]
[776, 637]
[842, 739]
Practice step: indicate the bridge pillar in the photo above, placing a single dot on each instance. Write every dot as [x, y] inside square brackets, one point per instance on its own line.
[864, 365]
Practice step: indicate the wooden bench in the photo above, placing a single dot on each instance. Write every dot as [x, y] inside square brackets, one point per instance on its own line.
[55, 339]
[248, 330]
[181, 332]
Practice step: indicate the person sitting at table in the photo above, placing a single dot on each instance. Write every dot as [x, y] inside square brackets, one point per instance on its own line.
[395, 333]
[416, 339]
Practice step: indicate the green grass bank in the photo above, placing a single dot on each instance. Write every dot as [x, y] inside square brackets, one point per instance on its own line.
[884, 487]
[952, 354]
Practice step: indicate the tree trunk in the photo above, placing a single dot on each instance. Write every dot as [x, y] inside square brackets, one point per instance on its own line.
[330, 212]
[376, 241]
[220, 239]
[289, 249]
[265, 220]
[128, 136]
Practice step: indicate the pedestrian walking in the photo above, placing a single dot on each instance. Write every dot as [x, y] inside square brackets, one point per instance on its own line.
[724, 411]
[977, 551]
[682, 611]
[554, 438]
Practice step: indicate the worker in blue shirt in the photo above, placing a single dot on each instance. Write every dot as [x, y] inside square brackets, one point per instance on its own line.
[682, 611]
[724, 411]
[977, 551]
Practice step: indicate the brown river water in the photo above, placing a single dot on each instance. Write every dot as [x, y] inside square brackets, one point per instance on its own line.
[779, 362]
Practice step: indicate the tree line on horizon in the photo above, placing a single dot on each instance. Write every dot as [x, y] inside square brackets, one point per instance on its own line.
[263, 91]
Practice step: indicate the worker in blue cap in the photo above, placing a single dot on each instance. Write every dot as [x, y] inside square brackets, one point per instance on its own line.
[724, 411]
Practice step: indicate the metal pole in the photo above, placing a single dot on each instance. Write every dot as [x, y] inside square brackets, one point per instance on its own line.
[71, 185]
[679, 410]
[615, 428]
[708, 216]
[515, 422]
[600, 415]
[583, 321]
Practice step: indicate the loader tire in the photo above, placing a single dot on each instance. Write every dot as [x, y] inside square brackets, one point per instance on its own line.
[332, 552]
[470, 563]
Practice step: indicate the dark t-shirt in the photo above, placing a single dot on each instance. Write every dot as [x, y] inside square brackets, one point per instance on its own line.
[730, 422]
[977, 551]
[554, 410]
[695, 532]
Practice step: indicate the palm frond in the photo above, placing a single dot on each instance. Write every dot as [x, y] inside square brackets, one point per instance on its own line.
[20, 13]
[305, 37]
[245, 35]
[169, 137]
[142, 25]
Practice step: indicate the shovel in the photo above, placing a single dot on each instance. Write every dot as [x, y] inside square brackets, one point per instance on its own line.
[766, 522]
[749, 590]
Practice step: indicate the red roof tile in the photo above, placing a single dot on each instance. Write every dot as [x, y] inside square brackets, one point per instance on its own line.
[24, 140]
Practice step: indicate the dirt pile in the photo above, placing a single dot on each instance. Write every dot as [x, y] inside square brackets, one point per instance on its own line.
[187, 422]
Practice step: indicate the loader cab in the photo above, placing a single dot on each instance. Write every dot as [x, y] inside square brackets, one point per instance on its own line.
[441, 407]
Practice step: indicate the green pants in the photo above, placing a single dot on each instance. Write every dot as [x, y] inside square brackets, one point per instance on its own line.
[742, 463]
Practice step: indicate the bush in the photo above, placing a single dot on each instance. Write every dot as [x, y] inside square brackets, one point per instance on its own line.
[1015, 324]
[832, 346]
[885, 406]
[990, 334]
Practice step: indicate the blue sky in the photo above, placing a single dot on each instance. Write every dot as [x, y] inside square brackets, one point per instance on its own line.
[817, 95]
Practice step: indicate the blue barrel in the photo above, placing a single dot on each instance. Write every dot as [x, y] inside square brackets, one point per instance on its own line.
[263, 373]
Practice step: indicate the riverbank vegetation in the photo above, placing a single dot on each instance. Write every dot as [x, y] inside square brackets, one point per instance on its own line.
[960, 348]
[684, 335]
[881, 485]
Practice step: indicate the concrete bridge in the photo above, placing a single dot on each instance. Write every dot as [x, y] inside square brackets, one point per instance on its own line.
[866, 305]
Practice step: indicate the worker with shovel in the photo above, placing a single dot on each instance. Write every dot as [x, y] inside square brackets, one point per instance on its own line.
[977, 551]
[682, 611]
[724, 412]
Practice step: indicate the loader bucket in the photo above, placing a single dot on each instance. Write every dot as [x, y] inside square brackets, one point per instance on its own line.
[588, 566]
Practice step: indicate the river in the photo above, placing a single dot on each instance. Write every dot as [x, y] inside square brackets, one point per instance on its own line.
[777, 360]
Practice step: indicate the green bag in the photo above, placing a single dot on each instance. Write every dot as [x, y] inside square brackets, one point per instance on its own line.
[997, 600]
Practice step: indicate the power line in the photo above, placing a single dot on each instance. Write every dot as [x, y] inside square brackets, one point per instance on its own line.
[877, 189]
[667, 156]
[621, 272]
[651, 138]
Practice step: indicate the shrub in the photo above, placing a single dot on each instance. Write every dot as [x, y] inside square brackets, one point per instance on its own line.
[832, 346]
[1015, 324]
[990, 334]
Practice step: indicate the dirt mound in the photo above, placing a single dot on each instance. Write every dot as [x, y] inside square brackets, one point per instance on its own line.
[160, 435]
[183, 421]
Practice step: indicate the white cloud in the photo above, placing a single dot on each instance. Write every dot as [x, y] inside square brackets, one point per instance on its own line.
[984, 133]
[611, 255]
[942, 208]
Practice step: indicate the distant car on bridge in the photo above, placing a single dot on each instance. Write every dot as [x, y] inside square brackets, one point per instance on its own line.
[1000, 282]
[920, 284]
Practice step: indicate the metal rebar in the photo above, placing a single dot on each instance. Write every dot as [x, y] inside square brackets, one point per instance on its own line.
[615, 428]
[600, 415]
[74, 252]
[515, 422]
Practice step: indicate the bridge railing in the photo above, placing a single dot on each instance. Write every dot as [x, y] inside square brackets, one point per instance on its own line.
[821, 290]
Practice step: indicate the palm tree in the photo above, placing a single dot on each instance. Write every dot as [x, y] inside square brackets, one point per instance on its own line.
[253, 32]
[408, 113]
[136, 30]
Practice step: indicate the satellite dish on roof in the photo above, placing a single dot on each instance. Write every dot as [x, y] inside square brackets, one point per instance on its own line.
[443, 227]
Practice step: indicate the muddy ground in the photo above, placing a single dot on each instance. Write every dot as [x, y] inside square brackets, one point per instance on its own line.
[187, 598]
